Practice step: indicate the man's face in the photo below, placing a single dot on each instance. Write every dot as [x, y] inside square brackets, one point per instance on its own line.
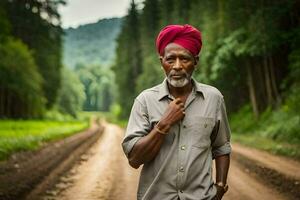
[178, 64]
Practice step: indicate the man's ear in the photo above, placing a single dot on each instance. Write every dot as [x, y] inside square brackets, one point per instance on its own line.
[196, 60]
[160, 58]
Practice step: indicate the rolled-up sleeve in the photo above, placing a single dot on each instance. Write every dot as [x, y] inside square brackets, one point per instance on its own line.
[138, 126]
[221, 143]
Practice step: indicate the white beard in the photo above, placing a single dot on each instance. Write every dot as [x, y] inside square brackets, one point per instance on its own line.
[179, 82]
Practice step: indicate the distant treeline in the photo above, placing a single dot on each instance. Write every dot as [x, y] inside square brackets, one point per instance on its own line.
[33, 81]
[30, 57]
[251, 49]
[92, 44]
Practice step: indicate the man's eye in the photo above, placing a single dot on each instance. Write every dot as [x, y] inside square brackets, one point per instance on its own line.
[185, 60]
[170, 60]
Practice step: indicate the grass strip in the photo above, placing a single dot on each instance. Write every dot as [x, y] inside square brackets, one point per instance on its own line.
[26, 135]
[272, 146]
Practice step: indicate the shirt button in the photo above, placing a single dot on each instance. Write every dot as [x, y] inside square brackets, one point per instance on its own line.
[182, 147]
[184, 126]
[181, 169]
[180, 191]
[205, 125]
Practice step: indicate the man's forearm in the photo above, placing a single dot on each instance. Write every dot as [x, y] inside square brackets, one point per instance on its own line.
[222, 167]
[146, 148]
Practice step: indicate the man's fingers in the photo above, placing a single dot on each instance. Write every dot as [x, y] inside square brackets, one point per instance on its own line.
[177, 101]
[181, 105]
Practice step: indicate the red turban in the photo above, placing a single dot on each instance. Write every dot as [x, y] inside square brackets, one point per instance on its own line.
[186, 36]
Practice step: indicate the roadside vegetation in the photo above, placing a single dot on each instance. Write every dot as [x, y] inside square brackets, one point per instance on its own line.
[277, 131]
[24, 135]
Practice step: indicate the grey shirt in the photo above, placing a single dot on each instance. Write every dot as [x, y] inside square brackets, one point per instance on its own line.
[183, 166]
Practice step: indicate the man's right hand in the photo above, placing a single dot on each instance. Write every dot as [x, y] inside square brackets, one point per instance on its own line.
[221, 190]
[173, 114]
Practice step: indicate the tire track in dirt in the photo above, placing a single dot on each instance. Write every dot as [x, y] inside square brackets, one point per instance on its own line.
[103, 174]
[243, 186]
[280, 164]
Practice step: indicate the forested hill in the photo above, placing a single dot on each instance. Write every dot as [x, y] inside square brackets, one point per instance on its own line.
[91, 43]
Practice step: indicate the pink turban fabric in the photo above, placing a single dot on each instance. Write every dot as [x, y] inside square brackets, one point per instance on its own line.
[186, 36]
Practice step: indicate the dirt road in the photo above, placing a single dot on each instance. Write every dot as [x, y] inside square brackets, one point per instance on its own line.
[104, 174]
[245, 187]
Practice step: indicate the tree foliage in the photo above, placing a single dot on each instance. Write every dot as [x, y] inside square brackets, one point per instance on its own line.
[129, 62]
[249, 48]
[92, 44]
[30, 52]
[71, 95]
[37, 24]
[20, 82]
[99, 87]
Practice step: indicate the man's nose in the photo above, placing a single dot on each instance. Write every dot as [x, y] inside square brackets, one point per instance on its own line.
[177, 65]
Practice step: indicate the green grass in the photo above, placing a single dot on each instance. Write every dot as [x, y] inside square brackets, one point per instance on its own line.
[23, 135]
[272, 146]
[275, 130]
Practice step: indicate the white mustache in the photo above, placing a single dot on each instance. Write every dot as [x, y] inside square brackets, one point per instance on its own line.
[174, 73]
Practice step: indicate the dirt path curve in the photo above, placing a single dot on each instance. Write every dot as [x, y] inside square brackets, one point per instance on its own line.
[104, 174]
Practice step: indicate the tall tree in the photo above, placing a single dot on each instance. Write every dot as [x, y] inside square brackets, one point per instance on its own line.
[37, 24]
[150, 25]
[166, 8]
[20, 82]
[180, 13]
[71, 95]
[129, 60]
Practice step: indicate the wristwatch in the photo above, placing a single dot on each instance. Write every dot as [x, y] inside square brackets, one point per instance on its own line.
[223, 186]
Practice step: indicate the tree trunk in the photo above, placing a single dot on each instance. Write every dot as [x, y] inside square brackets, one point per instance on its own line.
[257, 70]
[8, 104]
[1, 102]
[273, 81]
[252, 90]
[267, 81]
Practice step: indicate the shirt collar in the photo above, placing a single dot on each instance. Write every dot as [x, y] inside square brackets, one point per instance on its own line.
[198, 88]
[164, 90]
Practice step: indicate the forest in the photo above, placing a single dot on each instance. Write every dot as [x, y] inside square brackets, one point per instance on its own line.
[30, 55]
[251, 53]
[46, 71]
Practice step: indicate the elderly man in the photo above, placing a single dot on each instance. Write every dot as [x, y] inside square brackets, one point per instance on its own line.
[177, 128]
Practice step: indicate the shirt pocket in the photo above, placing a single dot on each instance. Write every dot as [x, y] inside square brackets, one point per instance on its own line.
[200, 131]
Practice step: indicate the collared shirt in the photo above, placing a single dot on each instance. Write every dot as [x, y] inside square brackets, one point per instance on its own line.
[183, 166]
